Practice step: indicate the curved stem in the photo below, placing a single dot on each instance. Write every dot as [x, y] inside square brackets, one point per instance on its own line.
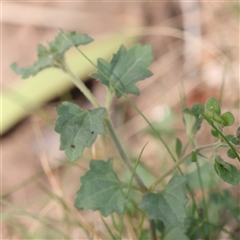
[220, 133]
[80, 85]
[182, 160]
[123, 154]
[107, 121]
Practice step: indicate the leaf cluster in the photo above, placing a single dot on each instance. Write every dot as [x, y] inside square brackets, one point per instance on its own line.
[100, 187]
[52, 55]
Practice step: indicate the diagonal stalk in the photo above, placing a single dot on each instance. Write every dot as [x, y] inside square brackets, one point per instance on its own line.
[79, 84]
[182, 160]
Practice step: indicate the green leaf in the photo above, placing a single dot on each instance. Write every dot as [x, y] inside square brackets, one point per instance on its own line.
[209, 179]
[175, 233]
[169, 205]
[49, 56]
[78, 128]
[214, 133]
[60, 45]
[235, 141]
[238, 133]
[178, 147]
[229, 137]
[226, 171]
[189, 121]
[231, 153]
[226, 201]
[39, 65]
[217, 118]
[125, 69]
[101, 189]
[197, 109]
[194, 156]
[212, 105]
[192, 124]
[228, 118]
[200, 229]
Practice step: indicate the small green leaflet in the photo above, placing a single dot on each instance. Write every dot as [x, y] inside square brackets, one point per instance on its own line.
[226, 171]
[212, 105]
[52, 55]
[125, 69]
[231, 153]
[228, 118]
[78, 128]
[169, 205]
[101, 189]
[178, 147]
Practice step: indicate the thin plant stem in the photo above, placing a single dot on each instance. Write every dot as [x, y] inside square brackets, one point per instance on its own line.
[22, 211]
[182, 160]
[107, 121]
[80, 85]
[141, 225]
[110, 93]
[108, 228]
[153, 229]
[123, 154]
[202, 189]
[135, 168]
[126, 97]
[220, 133]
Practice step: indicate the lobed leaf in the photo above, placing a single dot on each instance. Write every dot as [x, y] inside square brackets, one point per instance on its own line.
[50, 55]
[125, 69]
[42, 63]
[78, 128]
[60, 45]
[101, 189]
[168, 206]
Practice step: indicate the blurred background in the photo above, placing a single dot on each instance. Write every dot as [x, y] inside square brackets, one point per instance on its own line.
[196, 54]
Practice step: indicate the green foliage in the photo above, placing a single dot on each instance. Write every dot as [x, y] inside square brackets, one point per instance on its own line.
[53, 54]
[209, 179]
[101, 189]
[169, 205]
[192, 119]
[78, 128]
[212, 105]
[226, 171]
[228, 118]
[178, 147]
[226, 202]
[175, 233]
[231, 153]
[125, 69]
[194, 156]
